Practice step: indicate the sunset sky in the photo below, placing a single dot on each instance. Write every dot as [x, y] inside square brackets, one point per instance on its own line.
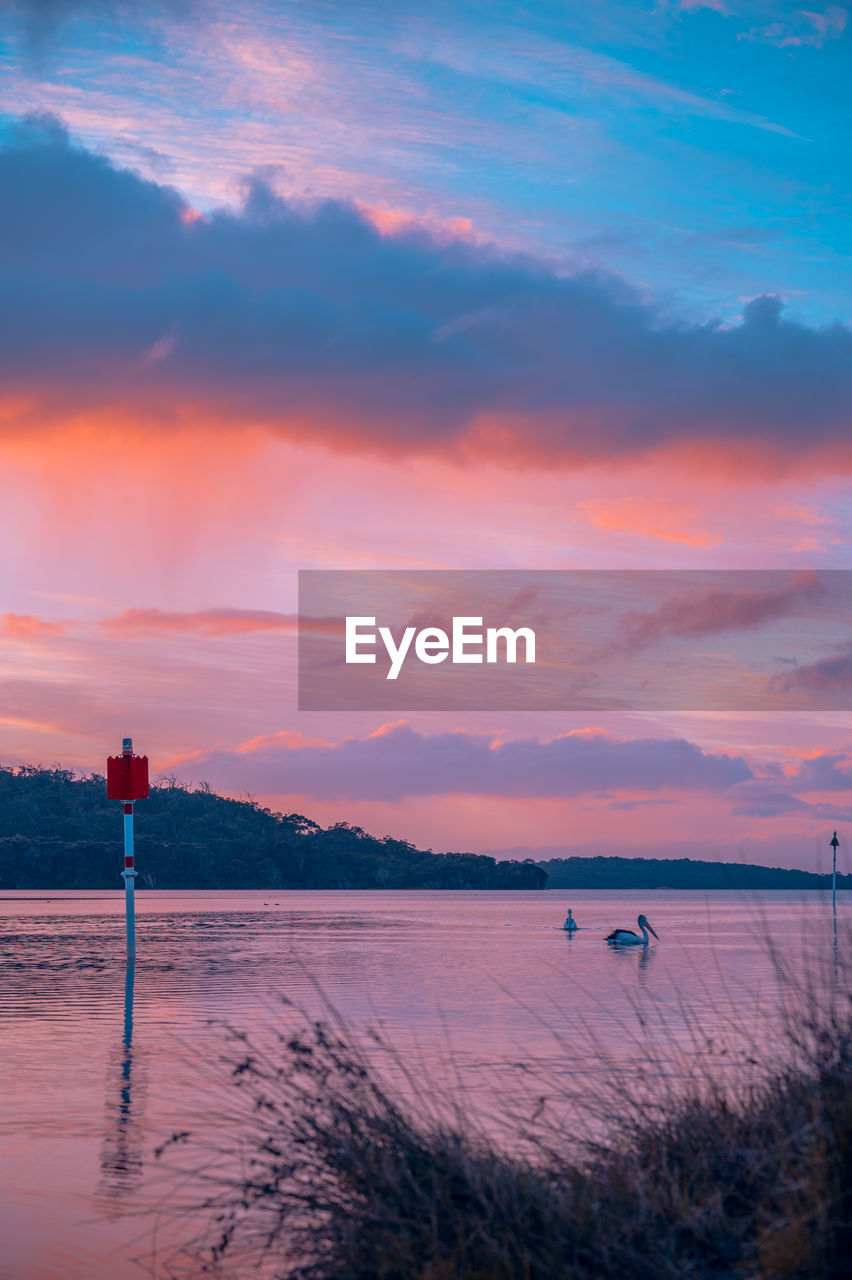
[394, 285]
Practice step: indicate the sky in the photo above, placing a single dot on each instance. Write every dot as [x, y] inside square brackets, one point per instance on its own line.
[386, 285]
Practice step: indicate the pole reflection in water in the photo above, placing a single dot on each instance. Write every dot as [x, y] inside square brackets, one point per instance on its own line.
[121, 1151]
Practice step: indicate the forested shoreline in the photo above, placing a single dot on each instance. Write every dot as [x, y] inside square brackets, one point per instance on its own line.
[678, 873]
[59, 831]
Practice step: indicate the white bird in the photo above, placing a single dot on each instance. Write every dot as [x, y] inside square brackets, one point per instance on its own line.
[570, 923]
[627, 938]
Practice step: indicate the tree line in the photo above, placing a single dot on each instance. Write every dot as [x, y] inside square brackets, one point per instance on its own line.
[59, 831]
[677, 873]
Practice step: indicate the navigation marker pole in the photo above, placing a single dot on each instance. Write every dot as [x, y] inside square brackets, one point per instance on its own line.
[129, 874]
[127, 780]
[834, 843]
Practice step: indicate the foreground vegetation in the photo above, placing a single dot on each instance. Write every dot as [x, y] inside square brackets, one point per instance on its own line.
[339, 1181]
[58, 831]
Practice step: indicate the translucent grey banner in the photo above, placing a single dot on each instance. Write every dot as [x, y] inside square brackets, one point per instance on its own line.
[575, 640]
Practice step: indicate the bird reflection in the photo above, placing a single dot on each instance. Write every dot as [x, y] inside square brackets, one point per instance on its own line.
[641, 957]
[645, 959]
[121, 1150]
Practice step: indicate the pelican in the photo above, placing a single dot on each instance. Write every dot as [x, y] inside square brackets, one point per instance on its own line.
[570, 923]
[627, 938]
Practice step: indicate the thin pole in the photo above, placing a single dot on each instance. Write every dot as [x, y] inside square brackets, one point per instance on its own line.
[834, 844]
[129, 874]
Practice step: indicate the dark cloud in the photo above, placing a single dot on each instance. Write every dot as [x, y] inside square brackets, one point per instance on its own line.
[303, 318]
[399, 762]
[41, 21]
[776, 792]
[831, 676]
[826, 772]
[763, 799]
[697, 613]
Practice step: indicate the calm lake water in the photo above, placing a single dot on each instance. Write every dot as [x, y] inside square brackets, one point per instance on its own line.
[479, 990]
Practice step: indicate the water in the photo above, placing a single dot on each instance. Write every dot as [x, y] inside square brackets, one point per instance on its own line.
[477, 989]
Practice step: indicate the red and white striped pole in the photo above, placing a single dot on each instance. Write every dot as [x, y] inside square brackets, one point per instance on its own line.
[129, 874]
[127, 780]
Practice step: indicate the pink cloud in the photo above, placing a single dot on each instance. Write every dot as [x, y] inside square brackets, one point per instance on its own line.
[392, 221]
[397, 762]
[27, 626]
[690, 5]
[806, 28]
[658, 520]
[210, 622]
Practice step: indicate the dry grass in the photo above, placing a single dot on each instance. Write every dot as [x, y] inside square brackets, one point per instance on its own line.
[324, 1175]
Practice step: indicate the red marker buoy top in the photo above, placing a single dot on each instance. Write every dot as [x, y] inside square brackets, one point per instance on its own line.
[127, 774]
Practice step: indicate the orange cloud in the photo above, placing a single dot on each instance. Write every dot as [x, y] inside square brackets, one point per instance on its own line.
[390, 221]
[26, 626]
[649, 519]
[210, 622]
[215, 622]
